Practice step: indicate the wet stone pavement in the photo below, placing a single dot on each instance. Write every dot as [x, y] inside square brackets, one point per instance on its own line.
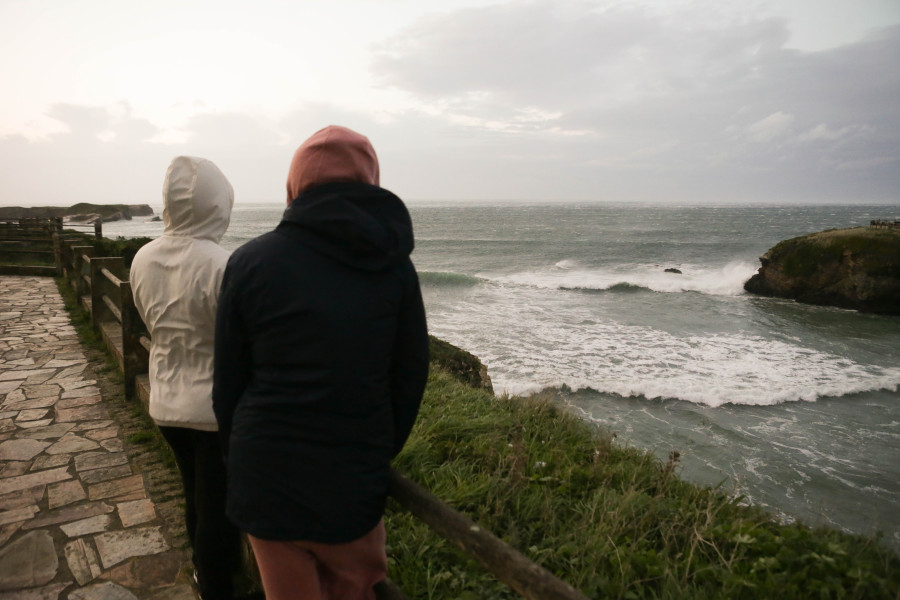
[76, 520]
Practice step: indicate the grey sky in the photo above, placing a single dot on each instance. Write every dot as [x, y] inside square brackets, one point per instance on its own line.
[678, 101]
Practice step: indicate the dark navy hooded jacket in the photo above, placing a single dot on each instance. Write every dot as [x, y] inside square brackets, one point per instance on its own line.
[321, 357]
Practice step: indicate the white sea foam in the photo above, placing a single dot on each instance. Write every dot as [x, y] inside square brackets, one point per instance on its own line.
[727, 280]
[532, 346]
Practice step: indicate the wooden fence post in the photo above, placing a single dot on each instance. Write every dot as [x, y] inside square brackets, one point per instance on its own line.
[135, 358]
[525, 577]
[67, 258]
[81, 270]
[57, 254]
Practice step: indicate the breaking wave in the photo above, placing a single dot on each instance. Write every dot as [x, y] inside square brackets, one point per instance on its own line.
[566, 275]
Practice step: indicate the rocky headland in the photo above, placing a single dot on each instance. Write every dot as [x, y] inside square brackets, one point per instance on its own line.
[83, 212]
[857, 268]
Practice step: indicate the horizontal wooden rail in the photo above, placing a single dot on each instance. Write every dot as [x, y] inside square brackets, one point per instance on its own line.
[111, 305]
[112, 278]
[29, 251]
[525, 577]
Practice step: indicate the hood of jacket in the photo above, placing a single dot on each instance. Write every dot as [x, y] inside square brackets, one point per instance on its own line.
[332, 154]
[197, 199]
[358, 224]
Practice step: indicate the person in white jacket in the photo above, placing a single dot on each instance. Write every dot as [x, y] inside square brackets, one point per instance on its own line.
[176, 280]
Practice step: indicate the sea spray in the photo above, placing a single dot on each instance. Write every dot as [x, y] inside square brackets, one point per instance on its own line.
[726, 280]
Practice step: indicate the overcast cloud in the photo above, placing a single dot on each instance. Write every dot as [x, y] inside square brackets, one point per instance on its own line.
[535, 101]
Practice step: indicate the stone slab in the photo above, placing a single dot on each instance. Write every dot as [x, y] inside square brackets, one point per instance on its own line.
[102, 434]
[48, 592]
[8, 386]
[22, 497]
[102, 591]
[15, 468]
[71, 443]
[79, 401]
[136, 512]
[98, 460]
[30, 404]
[36, 379]
[113, 445]
[86, 425]
[51, 390]
[66, 492]
[24, 374]
[7, 531]
[29, 561]
[57, 364]
[17, 515]
[83, 561]
[32, 414]
[116, 546]
[48, 462]
[80, 392]
[31, 480]
[87, 526]
[57, 430]
[67, 515]
[135, 495]
[117, 487]
[21, 449]
[32, 424]
[82, 413]
[149, 572]
[71, 371]
[98, 475]
[16, 395]
[78, 382]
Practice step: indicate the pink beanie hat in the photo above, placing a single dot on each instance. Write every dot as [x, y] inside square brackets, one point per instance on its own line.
[332, 154]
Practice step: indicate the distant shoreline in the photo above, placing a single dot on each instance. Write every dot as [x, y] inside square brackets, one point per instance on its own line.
[83, 212]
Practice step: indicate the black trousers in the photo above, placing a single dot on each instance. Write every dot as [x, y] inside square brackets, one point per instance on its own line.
[215, 542]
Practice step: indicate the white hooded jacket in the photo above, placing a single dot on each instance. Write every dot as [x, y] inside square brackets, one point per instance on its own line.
[176, 280]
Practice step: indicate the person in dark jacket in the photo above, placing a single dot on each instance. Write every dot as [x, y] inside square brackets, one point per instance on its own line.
[321, 357]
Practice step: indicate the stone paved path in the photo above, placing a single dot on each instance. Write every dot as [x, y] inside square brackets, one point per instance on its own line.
[76, 520]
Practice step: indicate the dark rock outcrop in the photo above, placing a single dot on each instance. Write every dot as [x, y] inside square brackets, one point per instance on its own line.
[856, 268]
[673, 270]
[461, 364]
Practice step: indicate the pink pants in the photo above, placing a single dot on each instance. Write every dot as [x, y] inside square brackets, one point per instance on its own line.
[312, 571]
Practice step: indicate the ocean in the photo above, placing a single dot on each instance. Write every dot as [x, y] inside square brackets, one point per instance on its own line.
[795, 408]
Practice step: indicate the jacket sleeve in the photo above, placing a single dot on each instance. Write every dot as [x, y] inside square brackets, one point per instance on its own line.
[409, 367]
[231, 363]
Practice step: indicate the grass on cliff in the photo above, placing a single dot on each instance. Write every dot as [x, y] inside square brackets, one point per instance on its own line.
[876, 250]
[614, 522]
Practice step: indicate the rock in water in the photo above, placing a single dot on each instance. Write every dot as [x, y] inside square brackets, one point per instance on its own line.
[857, 268]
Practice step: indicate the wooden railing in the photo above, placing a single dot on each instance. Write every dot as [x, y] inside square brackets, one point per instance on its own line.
[105, 292]
[884, 224]
[26, 241]
[31, 246]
